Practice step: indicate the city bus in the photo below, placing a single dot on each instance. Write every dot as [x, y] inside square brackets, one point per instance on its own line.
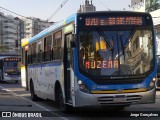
[10, 66]
[93, 59]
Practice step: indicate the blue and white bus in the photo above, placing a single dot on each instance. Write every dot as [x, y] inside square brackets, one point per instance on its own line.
[10, 66]
[93, 59]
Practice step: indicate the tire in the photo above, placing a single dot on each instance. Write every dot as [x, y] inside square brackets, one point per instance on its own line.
[63, 107]
[33, 95]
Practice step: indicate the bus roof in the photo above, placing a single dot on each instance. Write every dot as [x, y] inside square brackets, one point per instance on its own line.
[50, 29]
[69, 20]
[117, 12]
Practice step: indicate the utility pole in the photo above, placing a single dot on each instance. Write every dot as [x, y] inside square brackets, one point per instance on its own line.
[20, 37]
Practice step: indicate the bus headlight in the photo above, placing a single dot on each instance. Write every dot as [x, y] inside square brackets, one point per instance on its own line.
[6, 74]
[152, 84]
[83, 87]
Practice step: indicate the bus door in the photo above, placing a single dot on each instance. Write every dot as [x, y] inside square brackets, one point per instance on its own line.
[68, 72]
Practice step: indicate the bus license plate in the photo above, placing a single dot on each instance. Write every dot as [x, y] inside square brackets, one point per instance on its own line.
[120, 99]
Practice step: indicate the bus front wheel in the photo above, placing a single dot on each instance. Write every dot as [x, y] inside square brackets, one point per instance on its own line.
[63, 107]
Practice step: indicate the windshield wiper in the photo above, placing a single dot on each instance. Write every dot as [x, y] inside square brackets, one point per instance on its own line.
[122, 46]
[101, 33]
[130, 36]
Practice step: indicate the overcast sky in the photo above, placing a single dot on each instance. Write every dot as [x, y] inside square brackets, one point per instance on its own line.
[43, 9]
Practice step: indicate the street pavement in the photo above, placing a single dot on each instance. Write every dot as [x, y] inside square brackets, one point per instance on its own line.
[14, 98]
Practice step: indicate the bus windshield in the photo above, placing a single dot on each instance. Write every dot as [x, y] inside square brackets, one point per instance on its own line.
[116, 52]
[12, 67]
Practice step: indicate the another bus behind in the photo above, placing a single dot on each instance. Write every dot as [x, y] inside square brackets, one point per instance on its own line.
[10, 68]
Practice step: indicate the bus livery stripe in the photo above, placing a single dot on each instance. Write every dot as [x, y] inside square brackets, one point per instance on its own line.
[117, 91]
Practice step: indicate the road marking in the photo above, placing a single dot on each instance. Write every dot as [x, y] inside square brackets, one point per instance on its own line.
[34, 103]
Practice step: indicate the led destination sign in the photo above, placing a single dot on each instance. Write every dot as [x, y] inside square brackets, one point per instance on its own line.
[101, 64]
[12, 59]
[113, 21]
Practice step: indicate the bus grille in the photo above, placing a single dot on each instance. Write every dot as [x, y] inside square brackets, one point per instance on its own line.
[119, 99]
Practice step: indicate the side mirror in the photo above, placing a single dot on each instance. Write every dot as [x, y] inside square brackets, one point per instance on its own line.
[72, 42]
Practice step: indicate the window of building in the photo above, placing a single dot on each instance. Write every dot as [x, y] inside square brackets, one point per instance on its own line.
[9, 43]
[152, 5]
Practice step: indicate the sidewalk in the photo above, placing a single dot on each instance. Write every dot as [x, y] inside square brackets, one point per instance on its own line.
[16, 88]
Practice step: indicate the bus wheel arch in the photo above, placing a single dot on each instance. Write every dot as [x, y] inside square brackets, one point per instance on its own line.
[60, 100]
[34, 97]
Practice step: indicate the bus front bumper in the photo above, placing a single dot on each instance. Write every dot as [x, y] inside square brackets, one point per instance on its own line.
[100, 100]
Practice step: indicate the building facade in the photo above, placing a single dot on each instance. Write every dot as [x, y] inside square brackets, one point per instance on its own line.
[34, 25]
[152, 5]
[13, 29]
[138, 5]
[10, 34]
[87, 7]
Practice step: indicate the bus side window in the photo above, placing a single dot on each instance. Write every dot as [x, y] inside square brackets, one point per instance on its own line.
[39, 51]
[57, 49]
[51, 54]
[34, 54]
[29, 55]
[47, 47]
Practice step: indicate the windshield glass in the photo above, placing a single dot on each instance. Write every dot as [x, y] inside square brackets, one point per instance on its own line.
[12, 67]
[105, 53]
